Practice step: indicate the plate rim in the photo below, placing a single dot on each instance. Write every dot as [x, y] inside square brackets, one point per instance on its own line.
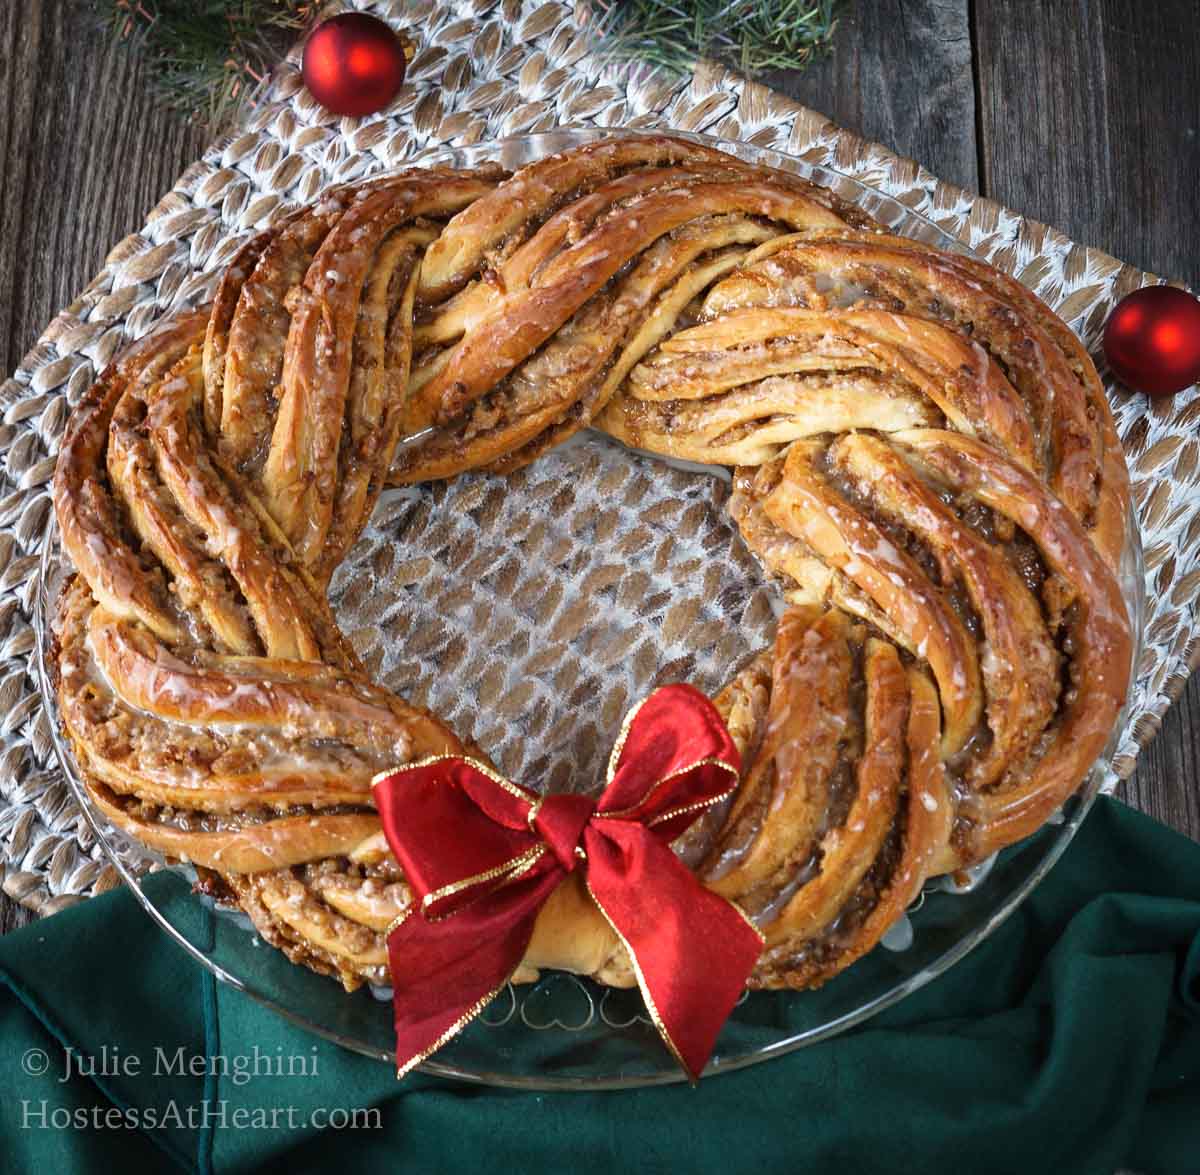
[1085, 794]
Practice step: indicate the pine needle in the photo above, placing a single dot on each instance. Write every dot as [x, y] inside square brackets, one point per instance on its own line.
[209, 58]
[750, 35]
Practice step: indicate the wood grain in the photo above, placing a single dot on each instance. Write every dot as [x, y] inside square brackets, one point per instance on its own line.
[1089, 120]
[1085, 115]
[901, 75]
[85, 153]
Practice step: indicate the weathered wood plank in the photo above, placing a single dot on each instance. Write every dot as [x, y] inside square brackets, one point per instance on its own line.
[1166, 784]
[85, 153]
[900, 74]
[1090, 120]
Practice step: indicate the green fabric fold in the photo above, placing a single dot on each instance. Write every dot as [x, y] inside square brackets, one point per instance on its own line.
[1068, 1042]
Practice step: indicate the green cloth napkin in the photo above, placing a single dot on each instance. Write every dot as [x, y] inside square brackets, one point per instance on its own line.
[1070, 1041]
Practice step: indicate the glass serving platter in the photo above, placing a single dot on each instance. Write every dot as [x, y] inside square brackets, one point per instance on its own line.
[595, 575]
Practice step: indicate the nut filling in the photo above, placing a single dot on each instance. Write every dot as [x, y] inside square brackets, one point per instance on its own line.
[923, 461]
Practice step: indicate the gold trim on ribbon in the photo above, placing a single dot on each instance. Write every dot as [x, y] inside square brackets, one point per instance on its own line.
[519, 865]
[380, 776]
[708, 761]
[454, 1029]
[514, 867]
[513, 789]
[399, 920]
[745, 917]
[622, 737]
[651, 1006]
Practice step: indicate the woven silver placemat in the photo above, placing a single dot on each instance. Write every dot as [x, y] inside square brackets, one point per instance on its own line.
[486, 70]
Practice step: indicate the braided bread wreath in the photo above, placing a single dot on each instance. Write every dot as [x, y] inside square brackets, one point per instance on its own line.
[923, 457]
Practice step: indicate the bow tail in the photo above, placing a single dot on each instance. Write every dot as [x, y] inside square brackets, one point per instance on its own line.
[445, 972]
[692, 951]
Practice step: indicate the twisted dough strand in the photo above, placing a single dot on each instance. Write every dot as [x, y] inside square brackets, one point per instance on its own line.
[923, 457]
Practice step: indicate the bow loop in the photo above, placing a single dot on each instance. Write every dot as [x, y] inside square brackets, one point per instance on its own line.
[560, 820]
[445, 792]
[483, 854]
[673, 755]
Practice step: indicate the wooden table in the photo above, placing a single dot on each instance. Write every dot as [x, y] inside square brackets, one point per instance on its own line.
[1083, 115]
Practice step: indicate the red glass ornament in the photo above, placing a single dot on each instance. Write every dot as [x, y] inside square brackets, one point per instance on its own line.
[353, 64]
[1152, 340]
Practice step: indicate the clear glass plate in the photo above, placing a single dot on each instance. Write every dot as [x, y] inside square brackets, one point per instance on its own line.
[590, 522]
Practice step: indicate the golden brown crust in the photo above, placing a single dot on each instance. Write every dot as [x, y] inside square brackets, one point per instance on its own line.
[1019, 667]
[809, 506]
[540, 190]
[300, 474]
[847, 852]
[82, 501]
[559, 389]
[280, 842]
[529, 353]
[1075, 437]
[1095, 633]
[927, 465]
[785, 793]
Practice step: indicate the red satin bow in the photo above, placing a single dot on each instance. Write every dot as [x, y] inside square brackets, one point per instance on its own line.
[482, 854]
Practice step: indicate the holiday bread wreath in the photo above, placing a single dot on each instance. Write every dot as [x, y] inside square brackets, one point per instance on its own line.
[923, 457]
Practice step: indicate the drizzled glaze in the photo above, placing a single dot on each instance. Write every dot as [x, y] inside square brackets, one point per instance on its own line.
[929, 471]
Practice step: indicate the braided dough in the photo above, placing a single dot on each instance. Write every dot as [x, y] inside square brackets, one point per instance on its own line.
[923, 456]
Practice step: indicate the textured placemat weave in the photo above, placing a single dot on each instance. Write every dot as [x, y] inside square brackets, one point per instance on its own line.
[486, 70]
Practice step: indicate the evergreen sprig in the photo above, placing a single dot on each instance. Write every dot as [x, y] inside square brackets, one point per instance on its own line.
[750, 35]
[209, 57]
